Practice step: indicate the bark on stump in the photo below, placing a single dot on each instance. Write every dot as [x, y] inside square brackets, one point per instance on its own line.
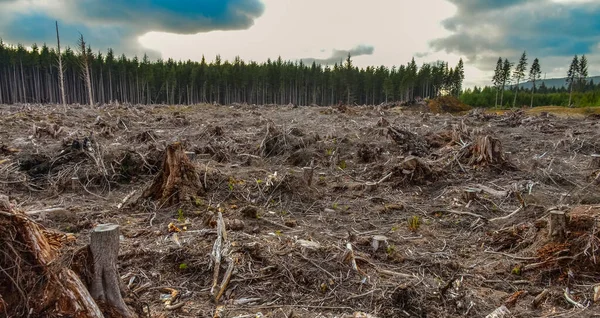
[595, 162]
[557, 225]
[308, 175]
[177, 181]
[53, 290]
[105, 284]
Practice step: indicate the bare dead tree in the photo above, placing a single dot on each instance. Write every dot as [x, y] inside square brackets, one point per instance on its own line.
[85, 67]
[60, 71]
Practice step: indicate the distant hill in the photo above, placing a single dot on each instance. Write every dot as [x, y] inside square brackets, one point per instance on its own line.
[555, 82]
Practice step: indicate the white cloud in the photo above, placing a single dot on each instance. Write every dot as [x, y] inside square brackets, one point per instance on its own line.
[295, 29]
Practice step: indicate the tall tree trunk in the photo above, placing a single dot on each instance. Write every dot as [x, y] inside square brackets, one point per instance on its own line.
[571, 93]
[532, 93]
[516, 92]
[496, 103]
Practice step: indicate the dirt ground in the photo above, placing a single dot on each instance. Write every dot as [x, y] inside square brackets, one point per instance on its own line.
[407, 214]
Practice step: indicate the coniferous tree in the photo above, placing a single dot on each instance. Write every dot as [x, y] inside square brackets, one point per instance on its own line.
[31, 75]
[583, 71]
[459, 72]
[497, 79]
[505, 78]
[534, 74]
[519, 73]
[572, 74]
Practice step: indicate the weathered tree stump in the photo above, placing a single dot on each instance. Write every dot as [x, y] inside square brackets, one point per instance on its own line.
[308, 175]
[595, 162]
[177, 181]
[469, 195]
[104, 245]
[53, 290]
[557, 225]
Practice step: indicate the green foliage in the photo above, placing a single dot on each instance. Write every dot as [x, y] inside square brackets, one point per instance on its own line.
[180, 215]
[390, 249]
[485, 97]
[183, 266]
[516, 270]
[342, 164]
[414, 222]
[131, 80]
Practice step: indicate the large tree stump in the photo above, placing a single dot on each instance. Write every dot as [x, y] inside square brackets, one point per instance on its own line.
[104, 246]
[557, 226]
[34, 281]
[177, 181]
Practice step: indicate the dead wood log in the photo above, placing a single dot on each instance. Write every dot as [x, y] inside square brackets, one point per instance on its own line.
[177, 181]
[595, 162]
[557, 225]
[39, 284]
[104, 246]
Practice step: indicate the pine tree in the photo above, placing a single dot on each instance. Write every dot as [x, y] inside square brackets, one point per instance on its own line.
[534, 74]
[505, 78]
[519, 73]
[572, 74]
[497, 79]
[459, 73]
[583, 71]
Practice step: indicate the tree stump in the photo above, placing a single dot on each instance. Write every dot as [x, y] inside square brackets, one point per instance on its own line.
[557, 225]
[595, 162]
[177, 181]
[469, 195]
[105, 283]
[308, 175]
[53, 290]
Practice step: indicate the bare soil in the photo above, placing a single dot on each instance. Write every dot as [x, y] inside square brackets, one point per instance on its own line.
[446, 215]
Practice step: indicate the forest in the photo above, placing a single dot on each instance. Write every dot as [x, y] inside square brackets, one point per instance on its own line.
[544, 96]
[506, 91]
[31, 75]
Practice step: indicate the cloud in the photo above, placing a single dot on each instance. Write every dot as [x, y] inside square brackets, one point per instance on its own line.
[117, 23]
[338, 56]
[552, 30]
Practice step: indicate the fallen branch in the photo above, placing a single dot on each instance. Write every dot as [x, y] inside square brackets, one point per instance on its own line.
[507, 216]
[51, 210]
[226, 280]
[125, 199]
[571, 301]
[463, 213]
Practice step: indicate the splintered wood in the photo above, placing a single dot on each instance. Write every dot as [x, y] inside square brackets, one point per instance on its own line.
[221, 249]
[56, 289]
[177, 181]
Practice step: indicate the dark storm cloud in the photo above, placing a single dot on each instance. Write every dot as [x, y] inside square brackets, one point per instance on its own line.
[117, 23]
[482, 30]
[338, 56]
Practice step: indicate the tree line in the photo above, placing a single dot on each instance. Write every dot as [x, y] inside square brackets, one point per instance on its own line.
[35, 75]
[586, 93]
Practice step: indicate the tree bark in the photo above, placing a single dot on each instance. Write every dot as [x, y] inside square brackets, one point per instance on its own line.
[557, 225]
[105, 284]
[177, 181]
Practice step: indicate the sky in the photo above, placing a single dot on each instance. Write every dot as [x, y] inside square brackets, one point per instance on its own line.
[374, 32]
